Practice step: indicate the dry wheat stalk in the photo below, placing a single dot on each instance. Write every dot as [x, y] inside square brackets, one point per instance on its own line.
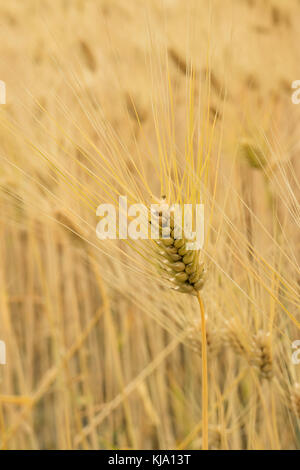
[296, 399]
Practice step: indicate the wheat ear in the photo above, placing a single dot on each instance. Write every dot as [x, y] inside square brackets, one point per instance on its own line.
[180, 266]
[262, 354]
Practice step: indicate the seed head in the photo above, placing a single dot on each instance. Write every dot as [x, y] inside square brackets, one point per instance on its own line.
[178, 264]
[262, 354]
[252, 154]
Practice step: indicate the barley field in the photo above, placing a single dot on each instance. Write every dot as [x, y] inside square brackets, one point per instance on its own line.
[107, 342]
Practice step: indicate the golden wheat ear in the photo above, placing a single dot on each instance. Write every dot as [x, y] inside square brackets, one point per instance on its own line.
[255, 349]
[178, 264]
[262, 354]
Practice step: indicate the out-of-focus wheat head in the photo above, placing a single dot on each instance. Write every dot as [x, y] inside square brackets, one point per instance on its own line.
[255, 348]
[262, 354]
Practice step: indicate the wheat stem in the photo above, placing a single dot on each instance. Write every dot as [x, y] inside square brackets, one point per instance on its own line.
[204, 378]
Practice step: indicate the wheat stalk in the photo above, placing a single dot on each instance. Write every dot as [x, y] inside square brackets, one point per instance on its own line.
[296, 399]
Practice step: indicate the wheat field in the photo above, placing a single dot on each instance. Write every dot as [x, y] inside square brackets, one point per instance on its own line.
[187, 99]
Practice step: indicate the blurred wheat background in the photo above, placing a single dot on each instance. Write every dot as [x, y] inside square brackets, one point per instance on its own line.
[101, 95]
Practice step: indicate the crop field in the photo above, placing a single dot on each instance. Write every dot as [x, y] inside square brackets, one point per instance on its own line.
[110, 339]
